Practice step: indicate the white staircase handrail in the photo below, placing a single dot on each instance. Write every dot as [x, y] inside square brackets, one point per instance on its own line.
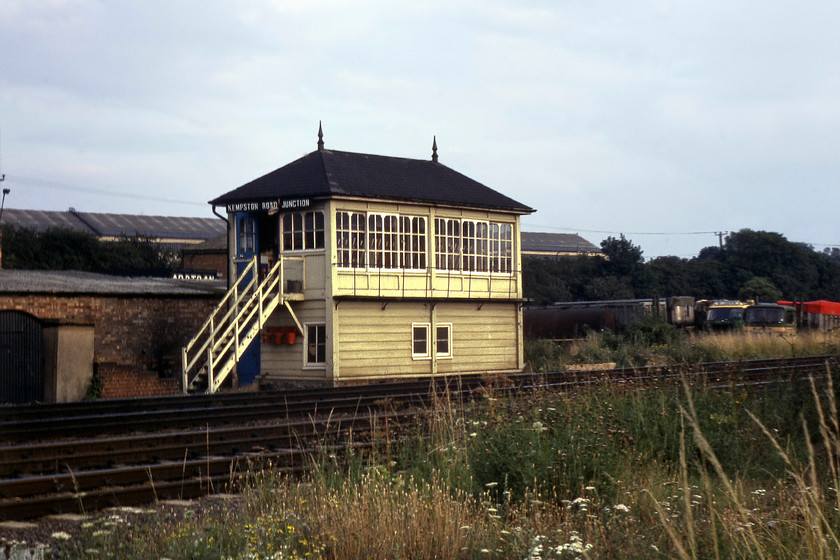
[232, 326]
[194, 351]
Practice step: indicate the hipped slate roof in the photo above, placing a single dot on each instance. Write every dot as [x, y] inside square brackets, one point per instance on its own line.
[331, 173]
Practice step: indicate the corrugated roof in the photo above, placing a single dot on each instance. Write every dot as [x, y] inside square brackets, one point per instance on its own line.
[76, 282]
[330, 173]
[556, 243]
[215, 245]
[115, 225]
[41, 220]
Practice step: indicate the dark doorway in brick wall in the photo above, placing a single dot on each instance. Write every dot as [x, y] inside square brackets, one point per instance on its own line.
[21, 358]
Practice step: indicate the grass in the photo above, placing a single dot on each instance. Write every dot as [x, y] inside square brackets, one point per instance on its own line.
[651, 341]
[607, 472]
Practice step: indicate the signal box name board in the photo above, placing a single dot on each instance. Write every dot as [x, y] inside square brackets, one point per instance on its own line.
[268, 205]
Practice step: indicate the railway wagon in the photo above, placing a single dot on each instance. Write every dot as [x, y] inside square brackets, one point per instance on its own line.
[821, 315]
[769, 317]
[724, 315]
[573, 319]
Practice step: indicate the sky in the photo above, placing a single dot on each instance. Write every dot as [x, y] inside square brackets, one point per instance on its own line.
[668, 122]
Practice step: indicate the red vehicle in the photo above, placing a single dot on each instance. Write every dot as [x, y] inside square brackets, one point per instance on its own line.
[821, 314]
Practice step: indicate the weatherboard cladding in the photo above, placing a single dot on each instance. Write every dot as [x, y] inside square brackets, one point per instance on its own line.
[331, 173]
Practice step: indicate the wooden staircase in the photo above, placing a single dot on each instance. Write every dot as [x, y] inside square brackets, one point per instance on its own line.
[210, 357]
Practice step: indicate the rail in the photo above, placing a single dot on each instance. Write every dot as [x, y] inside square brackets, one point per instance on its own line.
[54, 471]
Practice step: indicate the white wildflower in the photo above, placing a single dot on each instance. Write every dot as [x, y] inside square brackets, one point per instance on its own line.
[575, 546]
[61, 535]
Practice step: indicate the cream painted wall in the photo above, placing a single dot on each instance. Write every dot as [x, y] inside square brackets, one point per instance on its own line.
[374, 338]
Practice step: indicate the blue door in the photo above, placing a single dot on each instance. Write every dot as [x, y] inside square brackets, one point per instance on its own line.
[246, 248]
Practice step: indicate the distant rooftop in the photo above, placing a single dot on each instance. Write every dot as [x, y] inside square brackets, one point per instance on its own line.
[215, 245]
[557, 244]
[165, 229]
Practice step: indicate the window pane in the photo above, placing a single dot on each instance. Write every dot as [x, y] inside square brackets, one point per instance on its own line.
[308, 231]
[442, 340]
[319, 230]
[342, 239]
[481, 246]
[316, 344]
[420, 346]
[297, 236]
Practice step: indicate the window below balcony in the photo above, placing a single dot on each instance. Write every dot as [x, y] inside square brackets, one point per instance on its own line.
[316, 345]
[422, 343]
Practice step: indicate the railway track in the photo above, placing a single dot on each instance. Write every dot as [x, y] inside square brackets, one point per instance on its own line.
[86, 456]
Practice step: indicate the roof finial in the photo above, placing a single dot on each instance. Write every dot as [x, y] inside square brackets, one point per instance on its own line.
[434, 149]
[320, 138]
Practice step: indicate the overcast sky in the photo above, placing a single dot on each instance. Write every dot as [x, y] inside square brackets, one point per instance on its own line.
[665, 121]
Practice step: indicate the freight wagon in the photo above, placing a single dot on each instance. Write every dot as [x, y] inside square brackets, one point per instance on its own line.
[819, 315]
[573, 319]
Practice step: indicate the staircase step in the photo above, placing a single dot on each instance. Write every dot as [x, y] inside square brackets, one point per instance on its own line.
[249, 303]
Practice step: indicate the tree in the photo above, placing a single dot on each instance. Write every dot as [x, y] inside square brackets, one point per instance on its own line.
[541, 280]
[672, 275]
[759, 289]
[623, 258]
[609, 287]
[752, 264]
[66, 249]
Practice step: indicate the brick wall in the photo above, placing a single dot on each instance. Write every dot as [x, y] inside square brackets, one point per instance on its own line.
[144, 334]
[123, 382]
[207, 261]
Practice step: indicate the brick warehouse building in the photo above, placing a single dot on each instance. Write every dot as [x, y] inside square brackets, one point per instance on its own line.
[56, 324]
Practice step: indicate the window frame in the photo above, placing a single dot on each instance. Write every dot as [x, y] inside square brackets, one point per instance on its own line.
[304, 231]
[475, 244]
[448, 248]
[413, 247]
[320, 343]
[389, 241]
[426, 354]
[350, 240]
[431, 343]
[448, 353]
[247, 226]
[383, 234]
[501, 248]
[378, 241]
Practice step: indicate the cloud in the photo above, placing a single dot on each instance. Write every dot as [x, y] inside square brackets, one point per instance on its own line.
[608, 116]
